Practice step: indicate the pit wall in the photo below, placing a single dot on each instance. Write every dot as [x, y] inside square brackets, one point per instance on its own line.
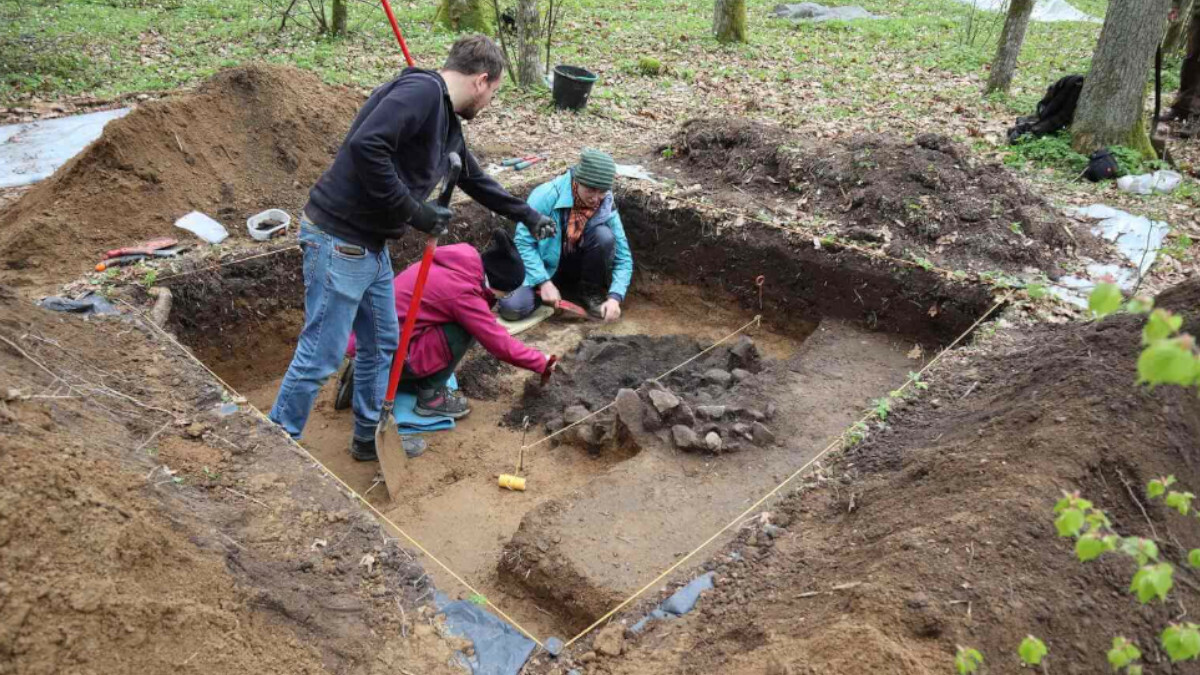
[802, 283]
[216, 310]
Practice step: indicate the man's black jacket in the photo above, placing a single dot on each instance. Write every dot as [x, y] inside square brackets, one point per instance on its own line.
[393, 157]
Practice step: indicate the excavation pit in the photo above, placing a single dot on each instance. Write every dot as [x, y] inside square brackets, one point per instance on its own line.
[612, 503]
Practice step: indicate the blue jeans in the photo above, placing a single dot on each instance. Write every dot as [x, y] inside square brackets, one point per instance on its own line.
[346, 287]
[588, 267]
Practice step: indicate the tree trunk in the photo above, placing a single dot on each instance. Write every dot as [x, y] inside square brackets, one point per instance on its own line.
[729, 20]
[529, 24]
[465, 15]
[338, 24]
[1188, 103]
[1177, 29]
[1111, 105]
[1005, 63]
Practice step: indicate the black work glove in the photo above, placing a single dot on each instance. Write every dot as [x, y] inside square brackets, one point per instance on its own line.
[544, 228]
[431, 218]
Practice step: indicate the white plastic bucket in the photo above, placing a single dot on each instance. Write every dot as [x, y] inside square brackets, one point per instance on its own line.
[255, 224]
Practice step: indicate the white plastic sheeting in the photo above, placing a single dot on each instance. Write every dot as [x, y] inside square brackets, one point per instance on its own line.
[1138, 240]
[32, 151]
[1043, 10]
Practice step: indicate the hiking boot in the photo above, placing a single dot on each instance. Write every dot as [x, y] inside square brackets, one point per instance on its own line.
[441, 402]
[364, 451]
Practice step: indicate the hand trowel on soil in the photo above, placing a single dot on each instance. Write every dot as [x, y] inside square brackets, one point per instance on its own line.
[388, 444]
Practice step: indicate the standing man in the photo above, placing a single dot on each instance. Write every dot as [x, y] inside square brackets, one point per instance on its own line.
[584, 252]
[393, 156]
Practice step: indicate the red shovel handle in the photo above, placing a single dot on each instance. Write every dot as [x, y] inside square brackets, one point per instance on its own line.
[414, 305]
[387, 8]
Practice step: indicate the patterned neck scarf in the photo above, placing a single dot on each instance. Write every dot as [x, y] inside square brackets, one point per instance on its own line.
[581, 213]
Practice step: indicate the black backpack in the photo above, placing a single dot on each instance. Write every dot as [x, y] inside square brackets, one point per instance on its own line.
[1102, 165]
[1055, 111]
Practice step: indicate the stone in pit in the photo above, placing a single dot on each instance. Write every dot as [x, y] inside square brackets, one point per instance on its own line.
[745, 355]
[663, 401]
[710, 412]
[762, 435]
[630, 411]
[718, 377]
[684, 437]
[683, 415]
[713, 441]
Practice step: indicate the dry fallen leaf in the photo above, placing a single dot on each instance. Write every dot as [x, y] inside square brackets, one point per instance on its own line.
[368, 561]
[318, 543]
[915, 352]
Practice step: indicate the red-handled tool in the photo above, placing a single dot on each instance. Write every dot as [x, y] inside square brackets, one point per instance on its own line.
[387, 8]
[145, 248]
[388, 445]
[550, 363]
[513, 161]
[521, 166]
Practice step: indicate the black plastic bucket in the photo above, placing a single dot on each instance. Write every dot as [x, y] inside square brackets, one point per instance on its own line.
[572, 86]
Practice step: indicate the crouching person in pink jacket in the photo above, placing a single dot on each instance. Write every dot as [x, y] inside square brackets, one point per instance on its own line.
[455, 313]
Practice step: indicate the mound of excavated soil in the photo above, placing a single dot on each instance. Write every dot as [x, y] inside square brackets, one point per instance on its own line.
[249, 138]
[939, 531]
[925, 199]
[142, 533]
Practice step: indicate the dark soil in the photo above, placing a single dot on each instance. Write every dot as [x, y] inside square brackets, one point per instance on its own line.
[926, 199]
[479, 375]
[590, 377]
[802, 284]
[938, 531]
[250, 138]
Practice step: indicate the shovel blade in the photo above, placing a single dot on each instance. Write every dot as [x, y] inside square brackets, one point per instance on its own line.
[390, 449]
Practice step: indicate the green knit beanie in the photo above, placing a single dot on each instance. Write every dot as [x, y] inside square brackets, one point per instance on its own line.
[595, 169]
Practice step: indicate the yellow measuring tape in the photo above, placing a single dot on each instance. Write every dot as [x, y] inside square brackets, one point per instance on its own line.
[625, 603]
[378, 514]
[836, 442]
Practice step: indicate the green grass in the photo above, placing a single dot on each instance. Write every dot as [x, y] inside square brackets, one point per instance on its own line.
[106, 47]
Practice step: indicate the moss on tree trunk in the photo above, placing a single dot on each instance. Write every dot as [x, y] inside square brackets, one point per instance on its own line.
[1112, 104]
[466, 15]
[729, 20]
[337, 25]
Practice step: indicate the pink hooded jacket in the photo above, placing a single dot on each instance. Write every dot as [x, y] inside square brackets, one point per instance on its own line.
[454, 293]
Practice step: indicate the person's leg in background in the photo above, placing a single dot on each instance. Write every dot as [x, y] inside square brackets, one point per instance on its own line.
[518, 304]
[586, 271]
[336, 277]
[596, 254]
[434, 398]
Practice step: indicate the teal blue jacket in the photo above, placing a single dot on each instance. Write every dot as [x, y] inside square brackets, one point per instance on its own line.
[554, 199]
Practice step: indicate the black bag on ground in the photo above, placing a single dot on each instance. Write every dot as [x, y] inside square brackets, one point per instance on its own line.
[1054, 112]
[1101, 166]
